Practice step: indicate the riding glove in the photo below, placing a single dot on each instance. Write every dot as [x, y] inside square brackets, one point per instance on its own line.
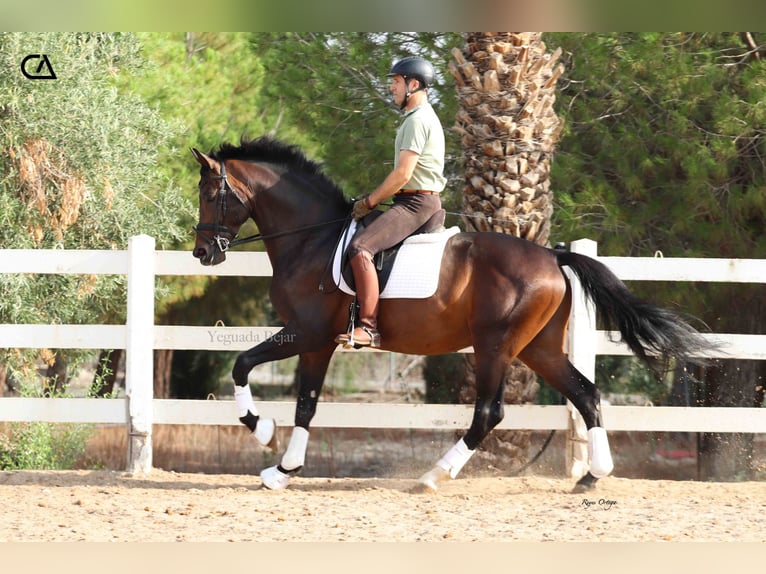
[361, 208]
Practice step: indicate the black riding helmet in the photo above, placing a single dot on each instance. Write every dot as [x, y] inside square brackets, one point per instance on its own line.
[413, 67]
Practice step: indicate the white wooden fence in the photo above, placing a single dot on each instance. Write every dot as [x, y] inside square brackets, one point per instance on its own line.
[139, 411]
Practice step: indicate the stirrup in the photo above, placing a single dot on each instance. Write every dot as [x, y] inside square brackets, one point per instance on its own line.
[348, 341]
[374, 337]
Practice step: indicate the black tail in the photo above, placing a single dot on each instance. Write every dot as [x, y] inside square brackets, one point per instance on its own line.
[654, 334]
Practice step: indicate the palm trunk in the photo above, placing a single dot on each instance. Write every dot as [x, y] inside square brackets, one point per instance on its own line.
[506, 84]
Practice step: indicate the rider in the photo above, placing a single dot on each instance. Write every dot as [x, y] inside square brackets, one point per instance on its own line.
[415, 184]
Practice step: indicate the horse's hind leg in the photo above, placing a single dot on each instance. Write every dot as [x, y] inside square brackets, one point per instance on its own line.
[584, 395]
[488, 412]
[499, 333]
[547, 359]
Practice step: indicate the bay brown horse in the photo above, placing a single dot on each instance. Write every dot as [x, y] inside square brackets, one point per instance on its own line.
[504, 296]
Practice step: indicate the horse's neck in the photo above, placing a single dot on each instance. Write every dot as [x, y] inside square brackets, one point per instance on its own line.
[297, 222]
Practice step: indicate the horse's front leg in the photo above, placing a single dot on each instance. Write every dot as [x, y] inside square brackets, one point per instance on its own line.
[312, 369]
[286, 343]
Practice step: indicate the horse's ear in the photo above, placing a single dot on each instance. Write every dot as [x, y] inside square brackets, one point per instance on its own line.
[202, 159]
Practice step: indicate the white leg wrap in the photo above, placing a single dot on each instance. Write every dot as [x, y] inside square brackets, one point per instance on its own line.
[455, 458]
[600, 456]
[296, 450]
[244, 399]
[264, 430]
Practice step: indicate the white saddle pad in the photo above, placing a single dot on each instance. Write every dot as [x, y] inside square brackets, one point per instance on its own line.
[415, 274]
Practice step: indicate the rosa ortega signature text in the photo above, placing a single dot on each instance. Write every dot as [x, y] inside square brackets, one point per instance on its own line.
[602, 503]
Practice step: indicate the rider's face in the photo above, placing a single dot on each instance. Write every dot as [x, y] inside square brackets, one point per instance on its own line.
[398, 89]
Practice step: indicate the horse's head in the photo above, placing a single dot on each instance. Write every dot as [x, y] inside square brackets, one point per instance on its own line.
[222, 210]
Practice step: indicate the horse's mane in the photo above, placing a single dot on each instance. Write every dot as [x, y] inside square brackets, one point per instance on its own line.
[270, 150]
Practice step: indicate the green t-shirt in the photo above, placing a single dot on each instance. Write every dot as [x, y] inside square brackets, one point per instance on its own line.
[421, 132]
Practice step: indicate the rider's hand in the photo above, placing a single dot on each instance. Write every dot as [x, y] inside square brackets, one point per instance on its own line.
[361, 208]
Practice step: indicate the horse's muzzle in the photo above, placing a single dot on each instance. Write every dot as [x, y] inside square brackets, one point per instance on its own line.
[209, 255]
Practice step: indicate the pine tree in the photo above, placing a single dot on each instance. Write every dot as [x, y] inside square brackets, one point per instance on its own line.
[664, 152]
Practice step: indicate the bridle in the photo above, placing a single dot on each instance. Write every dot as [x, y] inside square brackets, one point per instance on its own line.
[224, 238]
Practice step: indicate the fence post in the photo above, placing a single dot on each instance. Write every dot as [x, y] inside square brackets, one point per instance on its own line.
[139, 356]
[582, 354]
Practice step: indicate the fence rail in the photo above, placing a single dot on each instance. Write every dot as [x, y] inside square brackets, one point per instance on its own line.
[385, 415]
[140, 336]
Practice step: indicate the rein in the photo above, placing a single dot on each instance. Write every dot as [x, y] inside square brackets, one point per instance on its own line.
[224, 238]
[261, 237]
[225, 243]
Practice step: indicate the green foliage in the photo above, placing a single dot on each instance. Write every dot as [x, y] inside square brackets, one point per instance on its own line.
[664, 150]
[664, 144]
[197, 374]
[79, 155]
[627, 375]
[547, 395]
[78, 171]
[39, 445]
[43, 446]
[208, 85]
[104, 371]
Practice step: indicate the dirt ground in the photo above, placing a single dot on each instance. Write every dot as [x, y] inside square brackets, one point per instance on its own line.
[358, 486]
[167, 506]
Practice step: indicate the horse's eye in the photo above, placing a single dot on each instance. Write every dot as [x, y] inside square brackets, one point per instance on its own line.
[207, 195]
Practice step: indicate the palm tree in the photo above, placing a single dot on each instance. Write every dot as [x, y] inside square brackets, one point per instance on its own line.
[506, 86]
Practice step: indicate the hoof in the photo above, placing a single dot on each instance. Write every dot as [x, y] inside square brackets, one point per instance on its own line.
[585, 484]
[429, 482]
[274, 479]
[421, 488]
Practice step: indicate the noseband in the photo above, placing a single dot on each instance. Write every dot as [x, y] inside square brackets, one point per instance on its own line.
[222, 236]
